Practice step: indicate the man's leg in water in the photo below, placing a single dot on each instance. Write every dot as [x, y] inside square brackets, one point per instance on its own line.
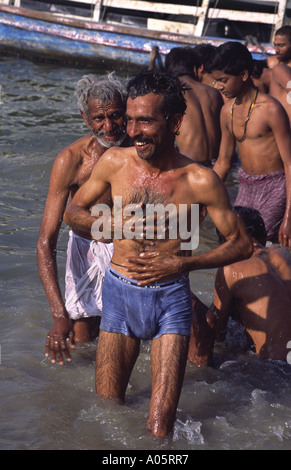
[168, 360]
[115, 357]
[86, 329]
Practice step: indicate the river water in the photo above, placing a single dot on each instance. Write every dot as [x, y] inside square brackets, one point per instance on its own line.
[241, 403]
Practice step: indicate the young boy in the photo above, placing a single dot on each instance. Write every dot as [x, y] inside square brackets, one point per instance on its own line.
[259, 126]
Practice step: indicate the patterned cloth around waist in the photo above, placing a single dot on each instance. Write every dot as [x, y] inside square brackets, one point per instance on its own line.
[267, 194]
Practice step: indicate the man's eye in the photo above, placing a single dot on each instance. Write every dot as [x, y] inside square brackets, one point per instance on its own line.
[99, 118]
[146, 120]
[117, 115]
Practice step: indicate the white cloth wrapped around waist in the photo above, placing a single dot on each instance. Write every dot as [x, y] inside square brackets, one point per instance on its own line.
[86, 264]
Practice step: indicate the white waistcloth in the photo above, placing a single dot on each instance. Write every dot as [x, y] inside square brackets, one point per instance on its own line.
[86, 263]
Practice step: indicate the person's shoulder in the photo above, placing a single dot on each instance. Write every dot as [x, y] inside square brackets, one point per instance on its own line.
[280, 69]
[279, 253]
[272, 61]
[117, 154]
[265, 99]
[226, 277]
[236, 271]
[207, 90]
[204, 175]
[115, 157]
[73, 153]
[271, 108]
[213, 92]
[226, 108]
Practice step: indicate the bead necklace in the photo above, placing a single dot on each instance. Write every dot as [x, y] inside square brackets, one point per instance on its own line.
[247, 119]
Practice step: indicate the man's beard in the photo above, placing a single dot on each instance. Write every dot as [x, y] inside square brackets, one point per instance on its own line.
[108, 144]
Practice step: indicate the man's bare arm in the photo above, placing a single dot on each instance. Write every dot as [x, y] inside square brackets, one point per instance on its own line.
[223, 163]
[279, 123]
[202, 334]
[59, 187]
[222, 300]
[77, 213]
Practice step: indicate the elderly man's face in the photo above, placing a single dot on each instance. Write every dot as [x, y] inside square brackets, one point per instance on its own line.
[107, 122]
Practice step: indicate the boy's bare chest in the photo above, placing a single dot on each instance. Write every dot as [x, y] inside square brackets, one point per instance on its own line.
[249, 122]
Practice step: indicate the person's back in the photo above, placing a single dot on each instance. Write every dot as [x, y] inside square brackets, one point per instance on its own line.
[199, 137]
[261, 289]
[257, 292]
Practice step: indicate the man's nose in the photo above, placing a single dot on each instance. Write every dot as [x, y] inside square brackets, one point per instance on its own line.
[108, 124]
[132, 129]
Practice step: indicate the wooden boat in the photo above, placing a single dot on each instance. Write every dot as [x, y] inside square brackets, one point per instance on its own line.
[72, 38]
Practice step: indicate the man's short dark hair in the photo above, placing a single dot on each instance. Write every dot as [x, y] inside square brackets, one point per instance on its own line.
[232, 58]
[181, 61]
[253, 222]
[204, 53]
[163, 83]
[284, 31]
[259, 66]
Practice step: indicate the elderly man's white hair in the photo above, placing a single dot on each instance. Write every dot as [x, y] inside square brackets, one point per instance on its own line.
[105, 88]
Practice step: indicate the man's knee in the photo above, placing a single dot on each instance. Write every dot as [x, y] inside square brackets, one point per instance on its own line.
[86, 329]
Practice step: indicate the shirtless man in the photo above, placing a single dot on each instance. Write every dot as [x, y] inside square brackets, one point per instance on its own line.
[146, 292]
[102, 106]
[256, 292]
[259, 126]
[199, 136]
[261, 75]
[203, 54]
[280, 85]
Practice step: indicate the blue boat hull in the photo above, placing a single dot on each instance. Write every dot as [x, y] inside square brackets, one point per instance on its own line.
[89, 42]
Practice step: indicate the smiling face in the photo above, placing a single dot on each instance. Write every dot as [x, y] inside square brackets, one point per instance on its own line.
[107, 122]
[149, 130]
[229, 85]
[283, 48]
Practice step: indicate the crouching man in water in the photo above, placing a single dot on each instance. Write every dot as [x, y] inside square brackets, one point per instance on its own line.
[255, 291]
[146, 292]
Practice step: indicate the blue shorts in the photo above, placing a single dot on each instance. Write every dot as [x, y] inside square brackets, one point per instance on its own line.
[146, 312]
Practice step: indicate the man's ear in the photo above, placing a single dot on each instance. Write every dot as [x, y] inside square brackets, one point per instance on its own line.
[198, 71]
[85, 120]
[245, 75]
[176, 122]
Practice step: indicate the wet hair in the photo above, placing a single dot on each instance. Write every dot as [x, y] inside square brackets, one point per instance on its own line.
[105, 89]
[204, 53]
[284, 31]
[232, 58]
[160, 83]
[259, 66]
[181, 61]
[253, 222]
